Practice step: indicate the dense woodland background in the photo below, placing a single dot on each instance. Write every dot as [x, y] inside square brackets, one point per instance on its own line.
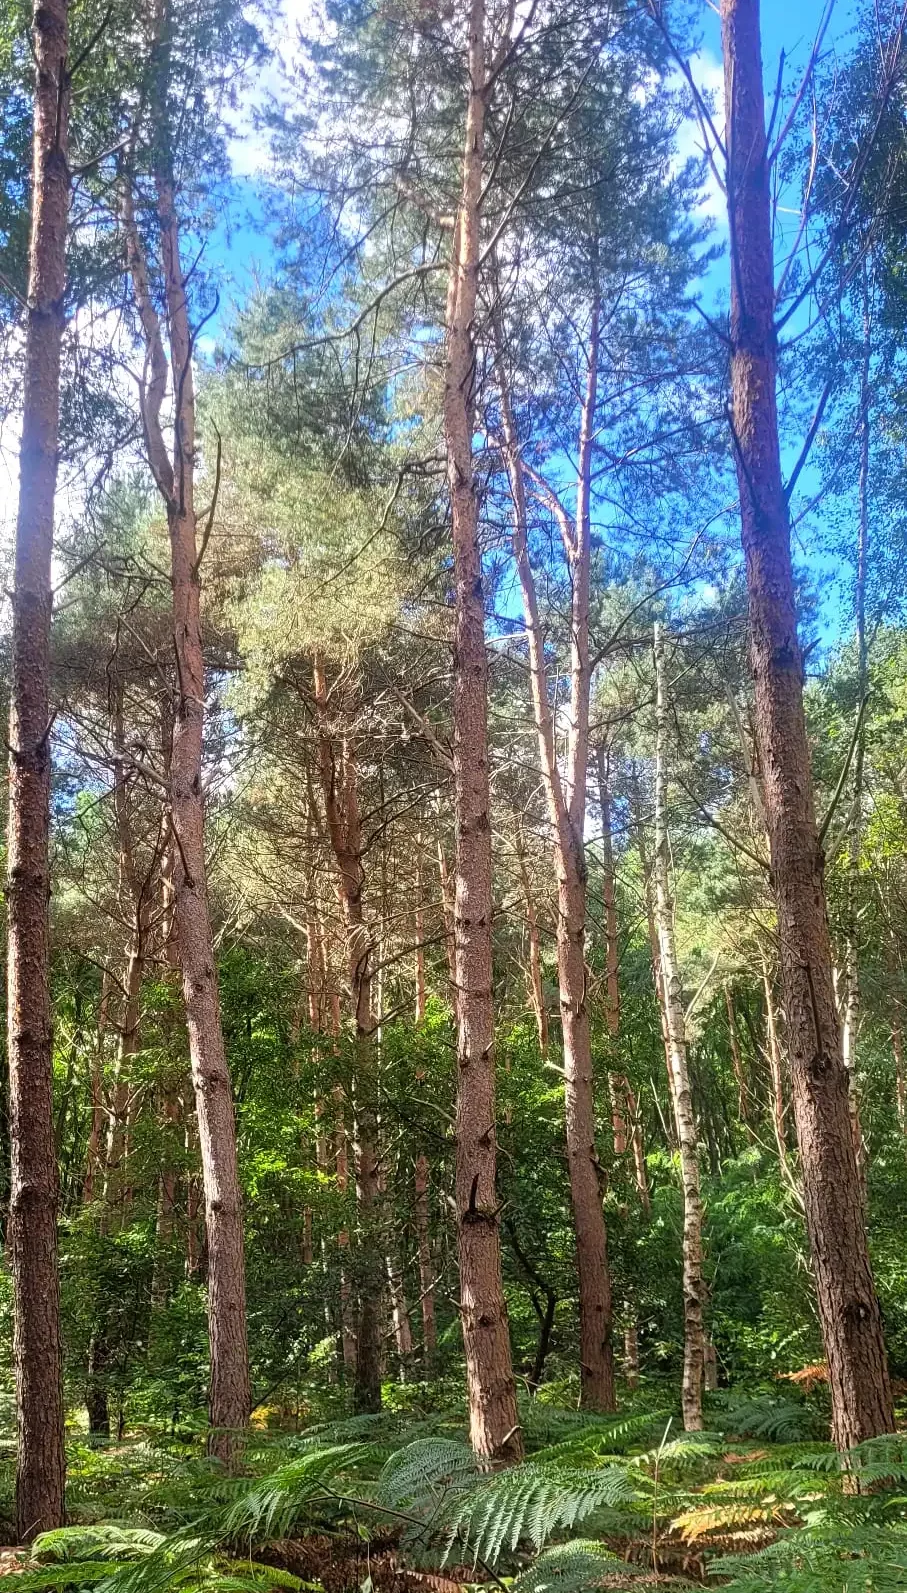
[457, 901]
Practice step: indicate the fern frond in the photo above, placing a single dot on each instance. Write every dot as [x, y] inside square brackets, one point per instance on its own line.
[417, 1473]
[527, 1502]
[572, 1568]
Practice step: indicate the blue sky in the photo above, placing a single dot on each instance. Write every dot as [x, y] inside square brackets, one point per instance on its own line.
[242, 252]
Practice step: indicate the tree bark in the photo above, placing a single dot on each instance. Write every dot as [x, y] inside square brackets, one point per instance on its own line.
[493, 1418]
[341, 800]
[567, 810]
[34, 1193]
[229, 1394]
[676, 1045]
[846, 1296]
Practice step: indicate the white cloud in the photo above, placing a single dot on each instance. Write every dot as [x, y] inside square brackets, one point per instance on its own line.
[708, 75]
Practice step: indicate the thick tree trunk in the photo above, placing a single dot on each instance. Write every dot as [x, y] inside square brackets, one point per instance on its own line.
[341, 800]
[493, 1418]
[676, 1044]
[847, 1301]
[41, 1464]
[567, 809]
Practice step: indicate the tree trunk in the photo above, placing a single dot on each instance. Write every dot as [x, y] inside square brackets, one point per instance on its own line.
[567, 809]
[34, 1194]
[493, 1418]
[341, 800]
[229, 1395]
[851, 1004]
[627, 1105]
[847, 1301]
[779, 1110]
[736, 1058]
[631, 1354]
[535, 950]
[675, 1033]
[426, 1270]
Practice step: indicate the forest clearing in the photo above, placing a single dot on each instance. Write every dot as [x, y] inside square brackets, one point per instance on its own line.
[455, 655]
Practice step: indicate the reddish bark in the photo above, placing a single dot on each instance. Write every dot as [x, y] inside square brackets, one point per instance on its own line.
[493, 1418]
[845, 1291]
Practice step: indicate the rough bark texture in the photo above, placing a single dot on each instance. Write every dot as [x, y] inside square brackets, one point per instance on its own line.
[341, 802]
[847, 1301]
[493, 1418]
[41, 1464]
[676, 1048]
[229, 1394]
[566, 801]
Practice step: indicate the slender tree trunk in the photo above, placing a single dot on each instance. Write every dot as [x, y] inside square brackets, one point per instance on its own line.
[628, 1103]
[535, 949]
[847, 1301]
[631, 1354]
[34, 1193]
[567, 808]
[493, 1418]
[426, 1270]
[850, 1016]
[347, 1313]
[779, 1110]
[448, 913]
[339, 788]
[94, 1153]
[229, 1395]
[675, 1030]
[900, 1077]
[420, 937]
[736, 1058]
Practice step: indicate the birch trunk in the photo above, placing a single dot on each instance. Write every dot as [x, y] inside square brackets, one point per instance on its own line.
[676, 1044]
[845, 1291]
[34, 1192]
[493, 1418]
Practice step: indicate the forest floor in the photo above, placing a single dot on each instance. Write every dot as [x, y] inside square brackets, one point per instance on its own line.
[396, 1504]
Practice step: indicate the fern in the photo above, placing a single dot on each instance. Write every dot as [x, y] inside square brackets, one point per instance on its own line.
[832, 1557]
[528, 1502]
[415, 1475]
[572, 1568]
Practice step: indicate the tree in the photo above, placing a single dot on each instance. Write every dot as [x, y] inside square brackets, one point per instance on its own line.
[41, 1463]
[846, 1296]
[494, 1423]
[229, 1392]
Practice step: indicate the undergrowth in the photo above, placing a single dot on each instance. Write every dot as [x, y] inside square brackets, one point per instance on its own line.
[758, 1501]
